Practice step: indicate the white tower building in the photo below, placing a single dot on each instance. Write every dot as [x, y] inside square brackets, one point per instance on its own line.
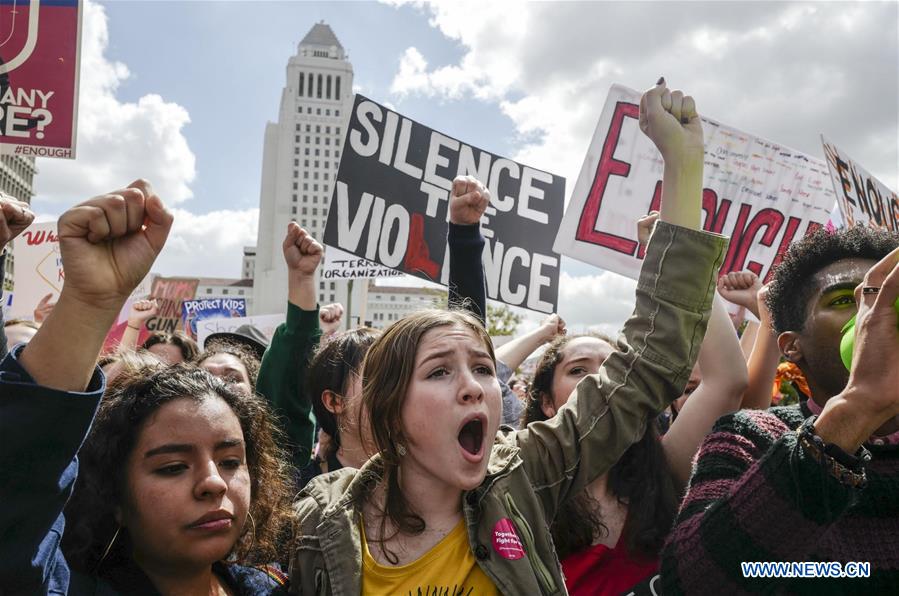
[299, 164]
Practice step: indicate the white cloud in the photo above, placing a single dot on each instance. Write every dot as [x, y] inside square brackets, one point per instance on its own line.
[208, 245]
[118, 141]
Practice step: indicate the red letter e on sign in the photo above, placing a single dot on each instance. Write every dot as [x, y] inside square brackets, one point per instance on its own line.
[608, 166]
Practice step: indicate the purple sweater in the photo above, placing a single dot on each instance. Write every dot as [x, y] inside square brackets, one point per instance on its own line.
[755, 495]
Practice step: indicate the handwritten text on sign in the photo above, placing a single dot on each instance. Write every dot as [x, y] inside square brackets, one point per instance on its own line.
[391, 197]
[759, 193]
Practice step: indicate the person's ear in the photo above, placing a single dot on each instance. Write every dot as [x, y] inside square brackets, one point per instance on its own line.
[333, 402]
[790, 345]
[547, 406]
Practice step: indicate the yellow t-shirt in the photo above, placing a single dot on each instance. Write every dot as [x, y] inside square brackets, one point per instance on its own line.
[448, 568]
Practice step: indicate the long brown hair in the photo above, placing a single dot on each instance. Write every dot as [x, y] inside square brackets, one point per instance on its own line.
[387, 372]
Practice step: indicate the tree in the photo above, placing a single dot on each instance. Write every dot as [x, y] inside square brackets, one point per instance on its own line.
[501, 320]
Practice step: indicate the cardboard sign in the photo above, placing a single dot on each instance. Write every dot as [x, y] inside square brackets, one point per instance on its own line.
[39, 65]
[390, 206]
[863, 199]
[760, 194]
[169, 293]
[267, 324]
[193, 311]
[343, 265]
[38, 270]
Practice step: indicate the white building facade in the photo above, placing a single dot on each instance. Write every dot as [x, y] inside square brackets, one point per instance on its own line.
[300, 159]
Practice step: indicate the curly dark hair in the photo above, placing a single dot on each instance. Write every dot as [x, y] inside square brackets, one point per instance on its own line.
[188, 347]
[641, 479]
[247, 357]
[791, 289]
[332, 368]
[102, 481]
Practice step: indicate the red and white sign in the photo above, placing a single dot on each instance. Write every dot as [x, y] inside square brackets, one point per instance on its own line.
[759, 193]
[38, 268]
[39, 64]
[506, 541]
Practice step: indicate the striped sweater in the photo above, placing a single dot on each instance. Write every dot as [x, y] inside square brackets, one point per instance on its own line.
[755, 495]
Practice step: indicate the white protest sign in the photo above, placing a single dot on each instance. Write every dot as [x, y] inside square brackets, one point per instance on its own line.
[267, 324]
[760, 194]
[863, 199]
[38, 268]
[340, 264]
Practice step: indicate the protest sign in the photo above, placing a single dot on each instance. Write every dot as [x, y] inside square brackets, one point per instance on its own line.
[390, 200]
[760, 194]
[193, 311]
[39, 65]
[38, 268]
[863, 199]
[343, 265]
[169, 293]
[267, 324]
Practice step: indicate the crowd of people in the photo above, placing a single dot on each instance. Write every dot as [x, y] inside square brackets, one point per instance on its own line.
[415, 460]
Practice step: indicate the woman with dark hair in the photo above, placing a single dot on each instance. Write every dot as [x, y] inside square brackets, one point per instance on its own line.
[452, 502]
[181, 482]
[609, 536]
[233, 362]
[172, 347]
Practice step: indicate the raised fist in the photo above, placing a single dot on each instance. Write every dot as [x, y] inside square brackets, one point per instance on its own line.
[670, 120]
[109, 243]
[301, 252]
[468, 201]
[329, 317]
[551, 327]
[741, 288]
[142, 310]
[15, 216]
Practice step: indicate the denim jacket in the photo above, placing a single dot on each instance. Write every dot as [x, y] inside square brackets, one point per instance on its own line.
[533, 471]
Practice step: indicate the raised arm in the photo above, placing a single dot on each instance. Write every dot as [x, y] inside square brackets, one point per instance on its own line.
[49, 389]
[108, 245]
[15, 216]
[140, 312]
[516, 351]
[467, 287]
[746, 289]
[609, 410]
[724, 378]
[282, 373]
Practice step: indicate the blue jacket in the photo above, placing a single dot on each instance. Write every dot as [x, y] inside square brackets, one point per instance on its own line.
[41, 430]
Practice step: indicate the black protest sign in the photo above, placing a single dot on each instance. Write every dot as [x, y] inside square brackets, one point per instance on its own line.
[390, 205]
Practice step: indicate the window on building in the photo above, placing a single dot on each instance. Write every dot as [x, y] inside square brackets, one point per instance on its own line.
[306, 174]
[295, 186]
[337, 90]
[326, 188]
[296, 150]
[308, 128]
[307, 140]
[294, 198]
[308, 110]
[393, 298]
[407, 299]
[296, 174]
[318, 129]
[318, 87]
[327, 140]
[307, 151]
[298, 128]
[317, 140]
[305, 185]
[337, 130]
[293, 210]
[240, 292]
[224, 291]
[327, 165]
[305, 211]
[209, 290]
[316, 163]
[318, 111]
[315, 211]
[327, 112]
[327, 130]
[336, 153]
[315, 187]
[302, 82]
[328, 87]
[317, 152]
[314, 200]
[337, 112]
[315, 175]
[296, 163]
[296, 139]
[306, 163]
[327, 153]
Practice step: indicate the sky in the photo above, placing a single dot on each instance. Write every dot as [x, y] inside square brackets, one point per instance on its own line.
[180, 92]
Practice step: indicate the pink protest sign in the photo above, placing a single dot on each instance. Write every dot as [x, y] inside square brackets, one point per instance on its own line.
[39, 63]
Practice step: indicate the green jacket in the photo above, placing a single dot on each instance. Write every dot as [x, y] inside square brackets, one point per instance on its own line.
[533, 471]
[282, 378]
